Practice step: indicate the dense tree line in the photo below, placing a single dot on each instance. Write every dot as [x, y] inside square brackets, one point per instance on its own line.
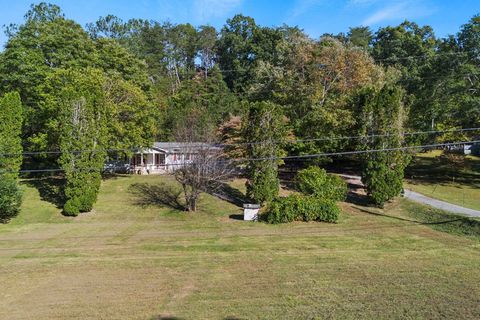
[122, 84]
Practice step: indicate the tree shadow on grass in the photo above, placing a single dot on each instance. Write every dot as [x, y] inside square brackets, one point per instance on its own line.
[228, 193]
[51, 189]
[443, 221]
[356, 195]
[358, 199]
[440, 171]
[157, 195]
[236, 217]
[114, 176]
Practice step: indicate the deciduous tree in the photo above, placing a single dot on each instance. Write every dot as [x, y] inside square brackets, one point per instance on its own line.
[203, 165]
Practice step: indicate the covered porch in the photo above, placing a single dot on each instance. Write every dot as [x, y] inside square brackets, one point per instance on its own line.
[149, 162]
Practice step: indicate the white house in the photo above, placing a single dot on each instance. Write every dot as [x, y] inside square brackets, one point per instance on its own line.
[161, 158]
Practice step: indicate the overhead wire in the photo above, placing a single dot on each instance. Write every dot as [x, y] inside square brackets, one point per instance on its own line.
[197, 145]
[273, 158]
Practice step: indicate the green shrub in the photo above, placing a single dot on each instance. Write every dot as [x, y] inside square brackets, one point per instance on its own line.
[315, 209]
[382, 182]
[263, 185]
[302, 208]
[90, 192]
[283, 210]
[10, 198]
[265, 122]
[316, 182]
[81, 192]
[71, 207]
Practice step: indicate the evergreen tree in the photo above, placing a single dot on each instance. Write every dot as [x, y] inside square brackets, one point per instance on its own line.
[360, 37]
[382, 114]
[11, 111]
[90, 113]
[80, 101]
[265, 124]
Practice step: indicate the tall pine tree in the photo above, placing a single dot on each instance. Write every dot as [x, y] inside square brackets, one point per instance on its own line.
[83, 134]
[382, 116]
[10, 154]
[264, 131]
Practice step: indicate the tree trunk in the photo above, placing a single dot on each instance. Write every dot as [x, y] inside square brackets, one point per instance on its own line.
[193, 204]
[185, 192]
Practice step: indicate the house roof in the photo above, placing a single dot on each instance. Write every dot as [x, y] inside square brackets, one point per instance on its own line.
[181, 146]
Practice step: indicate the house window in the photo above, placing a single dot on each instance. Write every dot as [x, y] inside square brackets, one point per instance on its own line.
[187, 156]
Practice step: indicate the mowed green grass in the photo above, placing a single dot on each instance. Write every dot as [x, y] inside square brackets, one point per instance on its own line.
[435, 178]
[129, 261]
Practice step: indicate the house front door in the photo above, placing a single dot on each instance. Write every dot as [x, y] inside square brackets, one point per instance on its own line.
[159, 159]
[137, 160]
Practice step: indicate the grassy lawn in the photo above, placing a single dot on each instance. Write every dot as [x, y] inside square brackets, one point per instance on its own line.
[132, 260]
[435, 178]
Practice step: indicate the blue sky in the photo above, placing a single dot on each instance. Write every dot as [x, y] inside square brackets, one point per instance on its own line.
[314, 16]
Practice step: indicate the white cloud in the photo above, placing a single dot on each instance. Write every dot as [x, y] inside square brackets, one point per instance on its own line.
[398, 10]
[302, 6]
[205, 9]
[384, 14]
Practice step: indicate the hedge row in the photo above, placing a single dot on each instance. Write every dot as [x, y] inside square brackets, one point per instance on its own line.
[302, 208]
[320, 192]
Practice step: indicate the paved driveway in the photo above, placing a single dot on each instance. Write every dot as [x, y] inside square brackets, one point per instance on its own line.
[417, 197]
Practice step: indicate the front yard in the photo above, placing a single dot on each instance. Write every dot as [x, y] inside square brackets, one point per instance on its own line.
[132, 260]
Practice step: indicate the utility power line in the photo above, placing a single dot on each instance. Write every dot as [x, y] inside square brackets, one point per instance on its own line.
[197, 145]
[366, 136]
[328, 154]
[274, 158]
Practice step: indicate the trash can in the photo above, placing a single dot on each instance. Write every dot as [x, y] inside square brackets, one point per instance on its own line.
[250, 212]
